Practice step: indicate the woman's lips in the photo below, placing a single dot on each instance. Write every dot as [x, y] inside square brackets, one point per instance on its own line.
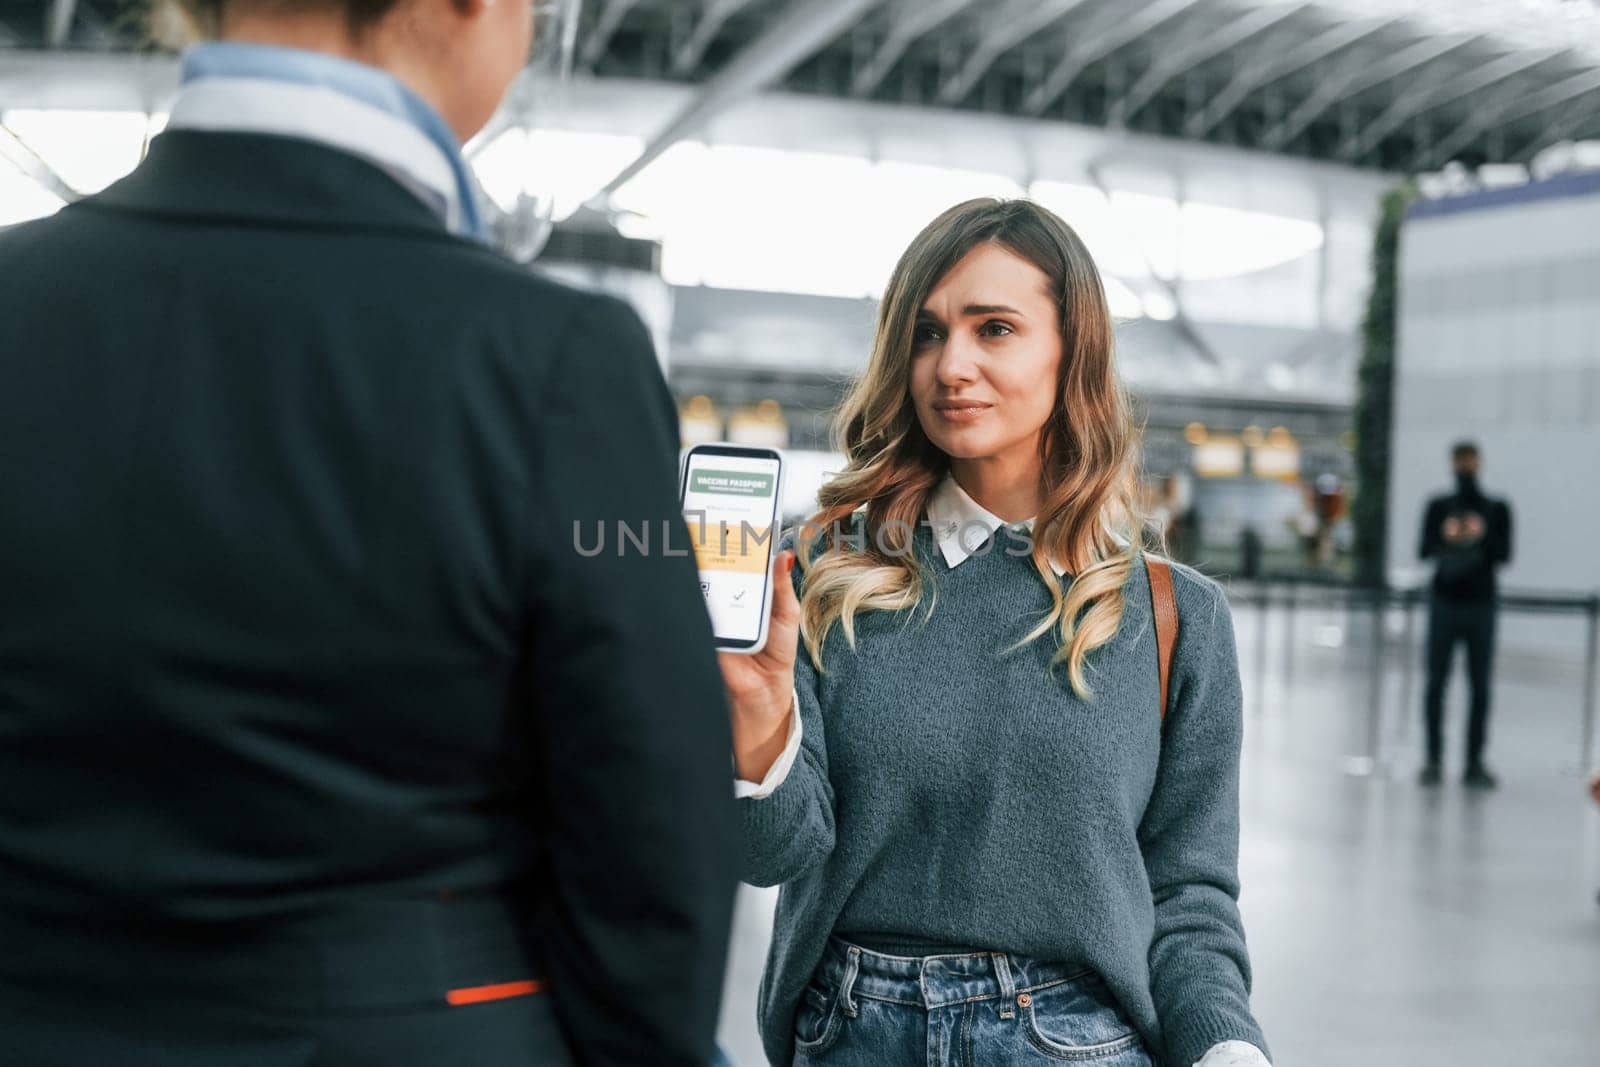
[961, 412]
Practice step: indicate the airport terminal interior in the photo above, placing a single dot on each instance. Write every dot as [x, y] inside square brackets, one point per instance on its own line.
[1338, 238]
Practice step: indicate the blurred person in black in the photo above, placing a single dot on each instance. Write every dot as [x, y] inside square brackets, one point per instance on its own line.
[321, 741]
[1469, 535]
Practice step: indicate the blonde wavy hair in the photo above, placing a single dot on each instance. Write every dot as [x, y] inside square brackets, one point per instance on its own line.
[1090, 519]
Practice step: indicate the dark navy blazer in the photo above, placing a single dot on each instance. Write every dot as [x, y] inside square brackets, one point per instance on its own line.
[311, 714]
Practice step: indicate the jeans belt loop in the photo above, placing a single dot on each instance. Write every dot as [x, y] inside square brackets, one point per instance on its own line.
[1008, 989]
[848, 985]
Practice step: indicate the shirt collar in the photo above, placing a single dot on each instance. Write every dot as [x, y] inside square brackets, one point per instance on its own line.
[961, 524]
[228, 85]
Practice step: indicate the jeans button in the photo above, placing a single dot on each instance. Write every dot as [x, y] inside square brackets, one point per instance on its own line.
[1023, 1000]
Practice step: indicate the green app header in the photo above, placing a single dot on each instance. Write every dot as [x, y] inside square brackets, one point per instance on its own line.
[730, 483]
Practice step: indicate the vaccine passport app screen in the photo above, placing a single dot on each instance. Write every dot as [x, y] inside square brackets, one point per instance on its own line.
[729, 504]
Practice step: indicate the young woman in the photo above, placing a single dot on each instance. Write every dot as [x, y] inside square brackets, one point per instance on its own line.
[992, 848]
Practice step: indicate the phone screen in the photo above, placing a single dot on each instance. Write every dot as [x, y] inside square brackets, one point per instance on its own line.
[730, 501]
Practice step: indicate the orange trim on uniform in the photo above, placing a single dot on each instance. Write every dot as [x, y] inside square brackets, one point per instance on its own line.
[479, 993]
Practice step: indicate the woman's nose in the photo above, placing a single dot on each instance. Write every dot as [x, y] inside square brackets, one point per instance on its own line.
[957, 362]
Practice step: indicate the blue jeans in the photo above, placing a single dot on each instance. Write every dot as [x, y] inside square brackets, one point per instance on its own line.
[866, 1009]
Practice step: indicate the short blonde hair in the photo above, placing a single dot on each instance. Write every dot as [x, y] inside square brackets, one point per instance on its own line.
[178, 23]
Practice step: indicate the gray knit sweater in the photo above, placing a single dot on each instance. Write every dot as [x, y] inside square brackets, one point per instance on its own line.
[948, 795]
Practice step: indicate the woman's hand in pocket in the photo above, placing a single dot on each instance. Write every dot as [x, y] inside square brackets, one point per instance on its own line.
[761, 686]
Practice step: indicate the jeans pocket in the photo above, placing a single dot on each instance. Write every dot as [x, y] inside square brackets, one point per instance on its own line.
[1077, 1021]
[817, 1020]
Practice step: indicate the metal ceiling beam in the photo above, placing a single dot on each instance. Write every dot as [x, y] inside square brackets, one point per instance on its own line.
[605, 27]
[910, 20]
[803, 28]
[58, 22]
[1276, 66]
[1511, 108]
[1093, 47]
[716, 12]
[1568, 124]
[1357, 78]
[1409, 105]
[1008, 28]
[1186, 57]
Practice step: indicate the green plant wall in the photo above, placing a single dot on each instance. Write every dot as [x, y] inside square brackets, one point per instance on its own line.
[1374, 411]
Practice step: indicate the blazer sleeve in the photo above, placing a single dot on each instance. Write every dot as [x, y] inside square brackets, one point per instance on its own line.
[1199, 965]
[631, 720]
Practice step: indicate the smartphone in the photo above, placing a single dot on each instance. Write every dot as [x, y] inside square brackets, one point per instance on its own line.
[730, 496]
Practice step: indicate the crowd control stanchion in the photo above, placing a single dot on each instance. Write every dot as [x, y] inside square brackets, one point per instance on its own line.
[1366, 764]
[1263, 609]
[1408, 673]
[1376, 751]
[1291, 603]
[1380, 664]
[1586, 757]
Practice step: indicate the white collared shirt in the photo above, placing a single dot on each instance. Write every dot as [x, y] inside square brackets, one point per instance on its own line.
[961, 525]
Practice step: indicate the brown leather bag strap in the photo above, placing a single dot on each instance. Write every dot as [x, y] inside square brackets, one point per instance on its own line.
[1166, 616]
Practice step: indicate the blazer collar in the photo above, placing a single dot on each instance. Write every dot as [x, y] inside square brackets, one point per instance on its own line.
[266, 179]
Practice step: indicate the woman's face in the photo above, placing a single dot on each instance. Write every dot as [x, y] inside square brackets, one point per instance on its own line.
[986, 356]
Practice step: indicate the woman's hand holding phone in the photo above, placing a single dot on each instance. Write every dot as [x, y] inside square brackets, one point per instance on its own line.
[761, 686]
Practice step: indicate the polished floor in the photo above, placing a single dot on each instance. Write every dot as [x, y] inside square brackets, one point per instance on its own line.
[1390, 926]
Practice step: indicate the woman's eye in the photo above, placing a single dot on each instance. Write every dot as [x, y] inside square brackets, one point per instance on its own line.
[924, 334]
[994, 329]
